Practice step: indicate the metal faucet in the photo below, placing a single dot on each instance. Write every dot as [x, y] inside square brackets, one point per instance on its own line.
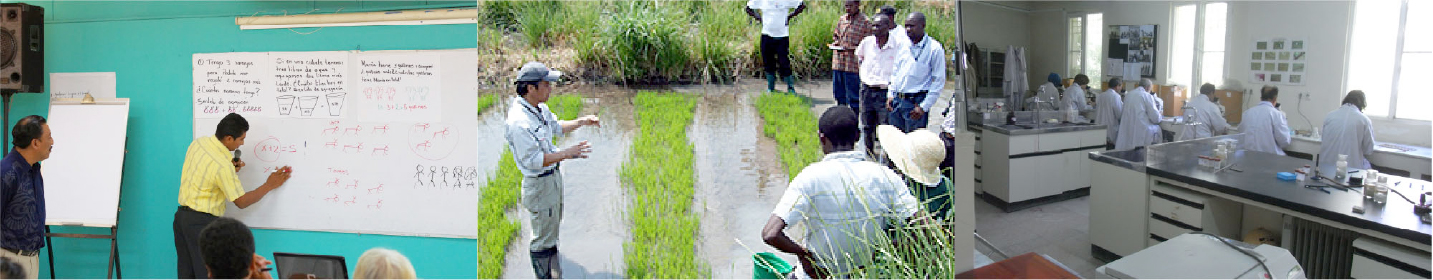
[1037, 107]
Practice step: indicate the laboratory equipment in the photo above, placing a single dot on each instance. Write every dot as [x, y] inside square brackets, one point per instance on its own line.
[1286, 176]
[1342, 165]
[1202, 256]
[1381, 195]
[1370, 181]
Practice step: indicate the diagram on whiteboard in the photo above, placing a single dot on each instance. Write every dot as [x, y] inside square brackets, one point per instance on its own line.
[371, 146]
[302, 85]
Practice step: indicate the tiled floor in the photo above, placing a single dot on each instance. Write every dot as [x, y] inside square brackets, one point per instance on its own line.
[1059, 230]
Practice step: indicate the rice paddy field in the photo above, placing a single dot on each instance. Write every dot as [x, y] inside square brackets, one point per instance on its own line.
[665, 42]
[691, 157]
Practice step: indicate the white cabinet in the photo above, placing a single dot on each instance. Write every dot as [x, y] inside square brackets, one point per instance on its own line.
[1378, 259]
[1119, 203]
[1174, 211]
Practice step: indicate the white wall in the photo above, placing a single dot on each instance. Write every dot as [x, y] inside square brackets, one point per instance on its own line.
[991, 27]
[1048, 31]
[1326, 26]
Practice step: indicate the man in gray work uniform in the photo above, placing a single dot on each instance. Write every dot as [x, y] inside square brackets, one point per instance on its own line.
[531, 127]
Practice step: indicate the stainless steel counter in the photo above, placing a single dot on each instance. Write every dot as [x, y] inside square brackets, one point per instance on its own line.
[1026, 123]
[1132, 159]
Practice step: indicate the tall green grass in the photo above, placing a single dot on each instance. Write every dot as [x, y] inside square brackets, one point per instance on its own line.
[660, 179]
[788, 120]
[645, 44]
[486, 101]
[810, 32]
[495, 228]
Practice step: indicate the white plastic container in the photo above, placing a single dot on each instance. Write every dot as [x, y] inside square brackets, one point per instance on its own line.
[1381, 196]
[1342, 165]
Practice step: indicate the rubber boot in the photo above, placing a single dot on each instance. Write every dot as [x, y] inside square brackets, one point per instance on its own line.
[770, 82]
[555, 264]
[790, 83]
[542, 263]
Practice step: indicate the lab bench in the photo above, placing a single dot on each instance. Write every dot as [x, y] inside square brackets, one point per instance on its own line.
[1416, 161]
[1141, 196]
[1029, 164]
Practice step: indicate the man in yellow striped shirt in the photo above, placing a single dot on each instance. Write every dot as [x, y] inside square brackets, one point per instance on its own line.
[210, 178]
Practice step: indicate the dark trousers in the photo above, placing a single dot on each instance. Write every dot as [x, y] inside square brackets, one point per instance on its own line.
[873, 113]
[846, 89]
[776, 55]
[187, 224]
[901, 116]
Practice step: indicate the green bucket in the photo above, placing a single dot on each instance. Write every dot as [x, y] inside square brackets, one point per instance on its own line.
[768, 266]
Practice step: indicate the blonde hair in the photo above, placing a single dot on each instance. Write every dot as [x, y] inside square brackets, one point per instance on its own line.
[381, 263]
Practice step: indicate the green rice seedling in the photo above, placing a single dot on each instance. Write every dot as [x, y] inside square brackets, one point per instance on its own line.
[566, 106]
[582, 20]
[486, 101]
[490, 40]
[659, 177]
[496, 230]
[788, 120]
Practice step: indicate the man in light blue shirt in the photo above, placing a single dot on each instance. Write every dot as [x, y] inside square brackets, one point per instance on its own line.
[530, 129]
[1265, 128]
[918, 78]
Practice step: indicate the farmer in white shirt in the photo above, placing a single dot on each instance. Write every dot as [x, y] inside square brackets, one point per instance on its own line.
[877, 54]
[775, 37]
[845, 201]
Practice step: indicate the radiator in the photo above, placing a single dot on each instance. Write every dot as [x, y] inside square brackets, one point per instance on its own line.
[1325, 252]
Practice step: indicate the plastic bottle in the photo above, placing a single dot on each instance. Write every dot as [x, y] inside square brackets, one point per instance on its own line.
[1303, 173]
[1370, 184]
[1342, 165]
[1381, 195]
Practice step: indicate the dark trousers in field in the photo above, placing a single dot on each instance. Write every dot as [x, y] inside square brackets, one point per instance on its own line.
[873, 113]
[187, 224]
[901, 117]
[776, 55]
[846, 89]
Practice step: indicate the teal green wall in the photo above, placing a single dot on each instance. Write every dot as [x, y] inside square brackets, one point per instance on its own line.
[149, 46]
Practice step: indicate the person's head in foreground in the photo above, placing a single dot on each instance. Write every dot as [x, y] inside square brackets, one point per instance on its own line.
[227, 246]
[838, 128]
[381, 263]
[9, 269]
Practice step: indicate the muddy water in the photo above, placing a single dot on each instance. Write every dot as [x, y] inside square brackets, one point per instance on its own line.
[738, 180]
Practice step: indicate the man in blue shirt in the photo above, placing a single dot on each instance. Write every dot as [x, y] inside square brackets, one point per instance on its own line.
[22, 194]
[918, 78]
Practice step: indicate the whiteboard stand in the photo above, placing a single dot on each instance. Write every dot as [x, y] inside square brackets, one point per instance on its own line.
[113, 271]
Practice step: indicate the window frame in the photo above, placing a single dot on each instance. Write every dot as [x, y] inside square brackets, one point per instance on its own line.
[1201, 8]
[1395, 79]
[1085, 26]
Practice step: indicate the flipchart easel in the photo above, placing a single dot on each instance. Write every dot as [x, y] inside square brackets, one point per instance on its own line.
[113, 270]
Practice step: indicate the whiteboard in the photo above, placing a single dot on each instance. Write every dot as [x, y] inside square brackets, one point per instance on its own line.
[82, 175]
[373, 147]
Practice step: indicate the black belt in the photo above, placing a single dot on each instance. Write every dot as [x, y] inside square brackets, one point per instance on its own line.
[549, 172]
[911, 94]
[24, 253]
[187, 209]
[869, 87]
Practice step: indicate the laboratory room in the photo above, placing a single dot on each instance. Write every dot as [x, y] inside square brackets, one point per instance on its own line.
[237, 139]
[1199, 139]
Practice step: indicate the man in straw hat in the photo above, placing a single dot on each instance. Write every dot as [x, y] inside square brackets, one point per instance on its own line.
[530, 129]
[845, 201]
[918, 155]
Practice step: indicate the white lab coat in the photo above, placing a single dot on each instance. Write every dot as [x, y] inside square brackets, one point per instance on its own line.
[1048, 93]
[1109, 106]
[1210, 118]
[1139, 121]
[1075, 100]
[1346, 131]
[1265, 129]
[1015, 83]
